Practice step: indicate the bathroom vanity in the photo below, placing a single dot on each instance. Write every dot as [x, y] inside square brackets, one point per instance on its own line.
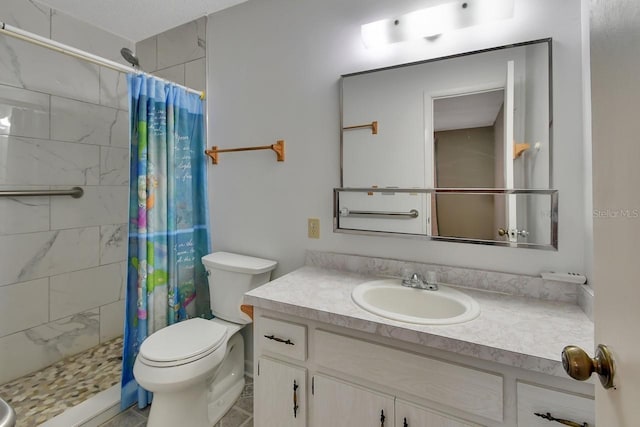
[320, 360]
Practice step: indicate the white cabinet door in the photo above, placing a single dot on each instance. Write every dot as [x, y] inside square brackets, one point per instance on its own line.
[335, 403]
[410, 415]
[534, 400]
[279, 396]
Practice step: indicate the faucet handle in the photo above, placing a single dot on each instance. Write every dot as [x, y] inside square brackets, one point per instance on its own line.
[412, 279]
[417, 280]
[406, 272]
[431, 282]
[432, 277]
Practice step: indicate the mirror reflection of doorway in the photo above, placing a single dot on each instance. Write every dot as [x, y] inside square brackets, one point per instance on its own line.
[469, 153]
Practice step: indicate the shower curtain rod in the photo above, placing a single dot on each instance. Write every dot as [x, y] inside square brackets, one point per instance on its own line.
[38, 40]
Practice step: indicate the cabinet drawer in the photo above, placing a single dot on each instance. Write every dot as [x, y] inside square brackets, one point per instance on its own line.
[284, 338]
[567, 406]
[470, 390]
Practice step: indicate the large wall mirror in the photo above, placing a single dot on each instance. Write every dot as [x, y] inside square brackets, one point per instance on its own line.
[465, 132]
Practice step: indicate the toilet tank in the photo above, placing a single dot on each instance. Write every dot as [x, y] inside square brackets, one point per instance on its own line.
[230, 276]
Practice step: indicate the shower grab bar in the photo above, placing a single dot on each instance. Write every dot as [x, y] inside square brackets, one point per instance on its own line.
[75, 192]
[344, 212]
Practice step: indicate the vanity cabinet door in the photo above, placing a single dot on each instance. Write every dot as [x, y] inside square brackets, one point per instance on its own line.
[335, 403]
[410, 415]
[533, 399]
[279, 395]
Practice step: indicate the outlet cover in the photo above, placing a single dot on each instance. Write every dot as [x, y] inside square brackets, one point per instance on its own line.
[313, 228]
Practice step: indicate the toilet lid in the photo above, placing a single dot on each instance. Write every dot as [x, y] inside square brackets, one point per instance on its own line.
[183, 342]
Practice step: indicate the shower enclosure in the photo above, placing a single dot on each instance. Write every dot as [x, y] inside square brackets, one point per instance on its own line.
[63, 124]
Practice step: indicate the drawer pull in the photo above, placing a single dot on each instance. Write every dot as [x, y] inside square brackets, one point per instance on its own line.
[550, 417]
[295, 399]
[273, 337]
[382, 418]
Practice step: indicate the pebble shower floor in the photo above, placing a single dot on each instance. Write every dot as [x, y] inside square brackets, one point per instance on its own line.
[42, 395]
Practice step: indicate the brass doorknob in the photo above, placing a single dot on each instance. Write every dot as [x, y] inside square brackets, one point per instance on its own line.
[502, 232]
[580, 366]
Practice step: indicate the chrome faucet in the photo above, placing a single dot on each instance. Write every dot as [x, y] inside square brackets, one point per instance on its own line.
[419, 282]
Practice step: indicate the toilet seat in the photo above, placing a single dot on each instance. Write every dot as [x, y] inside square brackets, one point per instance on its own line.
[182, 343]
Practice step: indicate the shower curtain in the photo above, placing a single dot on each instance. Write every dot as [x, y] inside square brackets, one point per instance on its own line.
[168, 230]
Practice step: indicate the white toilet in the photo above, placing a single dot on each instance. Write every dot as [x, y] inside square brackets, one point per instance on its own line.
[195, 368]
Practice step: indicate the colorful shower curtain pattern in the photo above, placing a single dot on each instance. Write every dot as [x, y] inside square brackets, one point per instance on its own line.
[168, 230]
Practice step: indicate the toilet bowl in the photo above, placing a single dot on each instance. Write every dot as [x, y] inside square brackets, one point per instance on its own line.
[195, 368]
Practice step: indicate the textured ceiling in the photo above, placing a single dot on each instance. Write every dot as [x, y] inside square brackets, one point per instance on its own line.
[138, 19]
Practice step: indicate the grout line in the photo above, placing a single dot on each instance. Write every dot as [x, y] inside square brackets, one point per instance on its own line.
[50, 117]
[49, 298]
[100, 85]
[88, 144]
[79, 227]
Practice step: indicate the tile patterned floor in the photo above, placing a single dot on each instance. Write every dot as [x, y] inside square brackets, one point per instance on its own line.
[42, 395]
[240, 415]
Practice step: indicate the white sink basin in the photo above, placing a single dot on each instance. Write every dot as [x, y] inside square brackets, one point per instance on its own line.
[388, 298]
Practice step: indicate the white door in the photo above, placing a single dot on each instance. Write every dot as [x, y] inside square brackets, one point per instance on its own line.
[280, 391]
[509, 176]
[615, 65]
[336, 403]
[410, 415]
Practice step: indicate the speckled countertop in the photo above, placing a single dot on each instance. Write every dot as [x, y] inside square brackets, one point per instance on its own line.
[518, 331]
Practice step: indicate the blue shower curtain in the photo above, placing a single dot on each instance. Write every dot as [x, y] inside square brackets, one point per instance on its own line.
[168, 230]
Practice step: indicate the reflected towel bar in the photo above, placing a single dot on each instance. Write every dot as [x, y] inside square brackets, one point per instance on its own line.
[278, 147]
[75, 192]
[379, 214]
[373, 125]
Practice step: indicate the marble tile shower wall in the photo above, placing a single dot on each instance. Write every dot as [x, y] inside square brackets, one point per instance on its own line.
[63, 123]
[177, 54]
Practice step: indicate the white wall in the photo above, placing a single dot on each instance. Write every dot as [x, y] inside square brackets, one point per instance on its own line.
[274, 67]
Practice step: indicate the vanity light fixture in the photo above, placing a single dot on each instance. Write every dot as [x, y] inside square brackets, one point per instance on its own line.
[435, 20]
